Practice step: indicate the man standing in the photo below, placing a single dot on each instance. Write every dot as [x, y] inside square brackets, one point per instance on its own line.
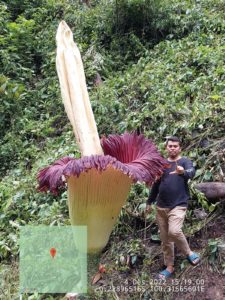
[172, 195]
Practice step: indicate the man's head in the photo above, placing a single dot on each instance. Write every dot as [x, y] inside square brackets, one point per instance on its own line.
[173, 147]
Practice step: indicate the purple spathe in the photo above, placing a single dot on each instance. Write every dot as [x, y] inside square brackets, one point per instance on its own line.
[131, 153]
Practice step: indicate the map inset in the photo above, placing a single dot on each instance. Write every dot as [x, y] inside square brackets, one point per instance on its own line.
[53, 259]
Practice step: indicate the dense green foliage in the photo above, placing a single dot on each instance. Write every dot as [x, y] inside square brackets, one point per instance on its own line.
[163, 71]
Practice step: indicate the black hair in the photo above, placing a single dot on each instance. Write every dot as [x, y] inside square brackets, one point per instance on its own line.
[173, 139]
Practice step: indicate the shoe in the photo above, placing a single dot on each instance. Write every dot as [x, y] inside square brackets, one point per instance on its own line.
[165, 273]
[193, 259]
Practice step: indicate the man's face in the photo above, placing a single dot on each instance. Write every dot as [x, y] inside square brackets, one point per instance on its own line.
[173, 149]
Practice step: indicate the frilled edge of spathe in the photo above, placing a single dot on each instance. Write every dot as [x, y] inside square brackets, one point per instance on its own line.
[132, 154]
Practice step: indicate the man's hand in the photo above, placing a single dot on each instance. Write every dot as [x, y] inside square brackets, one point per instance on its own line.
[179, 170]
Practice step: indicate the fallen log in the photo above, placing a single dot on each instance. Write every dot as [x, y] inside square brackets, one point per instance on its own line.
[212, 190]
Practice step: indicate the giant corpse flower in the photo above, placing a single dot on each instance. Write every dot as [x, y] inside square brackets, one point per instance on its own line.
[99, 182]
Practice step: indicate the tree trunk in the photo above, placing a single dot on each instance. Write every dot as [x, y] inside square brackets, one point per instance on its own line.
[212, 190]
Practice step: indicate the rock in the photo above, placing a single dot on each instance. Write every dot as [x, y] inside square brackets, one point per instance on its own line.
[72, 296]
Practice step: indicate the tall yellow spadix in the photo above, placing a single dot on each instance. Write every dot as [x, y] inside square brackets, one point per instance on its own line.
[74, 92]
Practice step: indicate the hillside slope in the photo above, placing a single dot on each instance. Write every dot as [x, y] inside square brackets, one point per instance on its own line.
[162, 70]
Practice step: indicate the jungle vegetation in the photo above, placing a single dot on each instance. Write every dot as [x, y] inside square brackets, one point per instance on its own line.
[156, 66]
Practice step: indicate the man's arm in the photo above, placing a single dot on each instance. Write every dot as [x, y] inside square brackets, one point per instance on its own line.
[189, 170]
[153, 193]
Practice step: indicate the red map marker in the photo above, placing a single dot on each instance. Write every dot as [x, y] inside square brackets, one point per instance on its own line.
[52, 252]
